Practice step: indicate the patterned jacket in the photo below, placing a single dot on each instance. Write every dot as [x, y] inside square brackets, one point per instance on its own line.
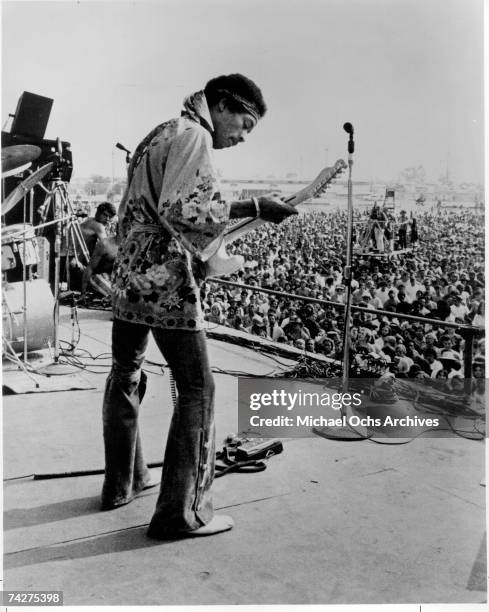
[171, 215]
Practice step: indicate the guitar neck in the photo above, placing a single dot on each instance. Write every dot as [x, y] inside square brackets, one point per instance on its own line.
[310, 191]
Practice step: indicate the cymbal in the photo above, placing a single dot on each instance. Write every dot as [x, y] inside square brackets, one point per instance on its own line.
[18, 170]
[22, 188]
[18, 155]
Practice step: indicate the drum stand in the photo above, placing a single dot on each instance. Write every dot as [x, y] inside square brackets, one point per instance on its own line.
[8, 351]
[58, 200]
[10, 355]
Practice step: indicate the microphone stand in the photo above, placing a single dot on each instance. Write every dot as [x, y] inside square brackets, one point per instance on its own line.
[347, 269]
[346, 432]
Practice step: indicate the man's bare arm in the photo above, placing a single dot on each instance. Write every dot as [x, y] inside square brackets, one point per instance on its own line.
[95, 260]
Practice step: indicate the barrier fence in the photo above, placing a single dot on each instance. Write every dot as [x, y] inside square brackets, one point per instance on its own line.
[467, 332]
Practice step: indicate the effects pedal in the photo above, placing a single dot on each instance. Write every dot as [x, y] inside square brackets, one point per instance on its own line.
[258, 448]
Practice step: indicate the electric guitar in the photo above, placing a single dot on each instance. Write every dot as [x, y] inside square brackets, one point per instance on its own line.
[221, 263]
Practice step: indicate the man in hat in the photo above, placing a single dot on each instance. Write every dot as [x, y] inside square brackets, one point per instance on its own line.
[295, 328]
[403, 226]
[172, 219]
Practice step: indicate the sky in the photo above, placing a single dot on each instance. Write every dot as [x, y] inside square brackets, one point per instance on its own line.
[408, 74]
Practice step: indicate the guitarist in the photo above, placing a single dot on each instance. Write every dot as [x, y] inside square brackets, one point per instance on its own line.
[172, 212]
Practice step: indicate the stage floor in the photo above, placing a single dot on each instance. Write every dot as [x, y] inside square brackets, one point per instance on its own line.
[328, 522]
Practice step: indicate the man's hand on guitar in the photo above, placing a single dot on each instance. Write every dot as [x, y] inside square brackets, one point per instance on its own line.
[273, 209]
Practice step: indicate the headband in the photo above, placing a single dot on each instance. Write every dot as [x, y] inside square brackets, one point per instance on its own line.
[248, 106]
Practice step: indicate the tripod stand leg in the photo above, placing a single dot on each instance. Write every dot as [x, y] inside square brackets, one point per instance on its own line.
[74, 227]
[57, 267]
[62, 211]
[12, 356]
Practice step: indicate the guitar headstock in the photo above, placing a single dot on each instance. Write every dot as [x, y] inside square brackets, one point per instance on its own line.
[324, 178]
[319, 184]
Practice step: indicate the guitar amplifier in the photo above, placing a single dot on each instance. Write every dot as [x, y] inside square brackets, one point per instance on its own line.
[32, 115]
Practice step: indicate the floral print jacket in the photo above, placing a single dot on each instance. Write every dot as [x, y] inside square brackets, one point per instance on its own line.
[171, 216]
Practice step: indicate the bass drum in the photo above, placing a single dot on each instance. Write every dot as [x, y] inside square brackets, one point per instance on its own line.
[39, 319]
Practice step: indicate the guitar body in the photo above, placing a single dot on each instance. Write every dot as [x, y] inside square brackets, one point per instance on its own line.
[222, 264]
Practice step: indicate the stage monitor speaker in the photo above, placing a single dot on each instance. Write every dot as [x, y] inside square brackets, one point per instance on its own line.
[32, 115]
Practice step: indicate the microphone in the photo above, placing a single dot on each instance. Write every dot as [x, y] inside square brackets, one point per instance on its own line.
[348, 127]
[122, 147]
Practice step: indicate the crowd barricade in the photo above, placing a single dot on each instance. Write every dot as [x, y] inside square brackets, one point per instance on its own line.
[468, 332]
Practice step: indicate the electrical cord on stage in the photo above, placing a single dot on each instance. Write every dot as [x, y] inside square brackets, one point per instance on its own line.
[272, 357]
[40, 372]
[458, 433]
[469, 435]
[478, 430]
[89, 355]
[217, 370]
[452, 407]
[85, 368]
[74, 360]
[228, 372]
[285, 371]
[362, 437]
[474, 435]
[75, 321]
[413, 396]
[308, 368]
[258, 348]
[454, 412]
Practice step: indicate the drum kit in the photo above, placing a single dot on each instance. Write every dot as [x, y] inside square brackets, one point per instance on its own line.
[30, 311]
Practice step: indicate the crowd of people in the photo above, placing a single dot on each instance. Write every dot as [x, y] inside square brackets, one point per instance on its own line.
[441, 278]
